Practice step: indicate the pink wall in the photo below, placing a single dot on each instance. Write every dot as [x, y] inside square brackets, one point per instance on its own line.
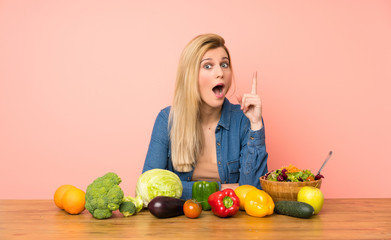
[81, 83]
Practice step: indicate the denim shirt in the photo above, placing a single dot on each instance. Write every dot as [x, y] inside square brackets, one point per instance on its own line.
[241, 152]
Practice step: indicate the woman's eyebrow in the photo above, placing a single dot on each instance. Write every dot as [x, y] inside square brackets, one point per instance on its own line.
[206, 59]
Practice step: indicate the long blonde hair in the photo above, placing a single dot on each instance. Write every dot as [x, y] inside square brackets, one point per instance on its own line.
[184, 121]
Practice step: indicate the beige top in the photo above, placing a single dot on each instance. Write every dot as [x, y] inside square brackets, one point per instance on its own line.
[206, 171]
[206, 167]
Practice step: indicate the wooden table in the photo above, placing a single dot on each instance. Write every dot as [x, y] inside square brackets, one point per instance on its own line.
[339, 219]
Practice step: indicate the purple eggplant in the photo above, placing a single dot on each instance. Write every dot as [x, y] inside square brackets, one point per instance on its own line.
[166, 207]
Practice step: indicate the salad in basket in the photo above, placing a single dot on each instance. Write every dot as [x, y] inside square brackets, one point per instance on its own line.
[292, 174]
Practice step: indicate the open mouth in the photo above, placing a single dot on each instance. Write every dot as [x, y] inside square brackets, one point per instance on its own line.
[218, 90]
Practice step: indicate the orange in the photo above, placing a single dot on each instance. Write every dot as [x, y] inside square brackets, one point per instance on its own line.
[241, 192]
[59, 194]
[74, 201]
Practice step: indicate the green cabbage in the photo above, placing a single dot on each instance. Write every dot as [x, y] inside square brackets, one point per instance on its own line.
[158, 182]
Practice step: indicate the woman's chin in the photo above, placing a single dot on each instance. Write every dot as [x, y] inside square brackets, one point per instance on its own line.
[215, 103]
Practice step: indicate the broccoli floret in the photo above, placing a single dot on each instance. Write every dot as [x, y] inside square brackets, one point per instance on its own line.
[104, 196]
[127, 209]
[137, 201]
[131, 205]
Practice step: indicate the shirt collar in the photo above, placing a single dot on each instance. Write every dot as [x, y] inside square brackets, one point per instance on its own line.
[225, 118]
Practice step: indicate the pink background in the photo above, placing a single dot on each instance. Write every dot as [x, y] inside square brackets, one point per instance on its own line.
[81, 83]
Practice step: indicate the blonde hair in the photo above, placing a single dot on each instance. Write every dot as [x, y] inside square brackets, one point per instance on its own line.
[185, 130]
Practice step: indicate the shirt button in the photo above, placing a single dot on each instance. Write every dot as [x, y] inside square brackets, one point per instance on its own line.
[252, 138]
[225, 181]
[219, 163]
[218, 143]
[218, 128]
[188, 179]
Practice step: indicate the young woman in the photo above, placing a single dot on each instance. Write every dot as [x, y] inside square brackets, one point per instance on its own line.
[202, 136]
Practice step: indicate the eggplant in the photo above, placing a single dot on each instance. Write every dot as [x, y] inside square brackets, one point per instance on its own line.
[166, 207]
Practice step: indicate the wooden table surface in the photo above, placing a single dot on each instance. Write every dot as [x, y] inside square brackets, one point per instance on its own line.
[339, 219]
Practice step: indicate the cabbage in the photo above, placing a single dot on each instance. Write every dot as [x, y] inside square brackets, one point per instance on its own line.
[158, 182]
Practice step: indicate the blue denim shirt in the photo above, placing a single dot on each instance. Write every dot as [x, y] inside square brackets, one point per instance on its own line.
[241, 152]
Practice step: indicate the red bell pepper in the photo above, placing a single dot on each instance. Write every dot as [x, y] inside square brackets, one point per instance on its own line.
[224, 203]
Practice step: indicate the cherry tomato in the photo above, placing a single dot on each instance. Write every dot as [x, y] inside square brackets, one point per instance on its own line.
[192, 209]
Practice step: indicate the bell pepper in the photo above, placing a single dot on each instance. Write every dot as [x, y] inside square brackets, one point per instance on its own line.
[202, 190]
[258, 203]
[224, 203]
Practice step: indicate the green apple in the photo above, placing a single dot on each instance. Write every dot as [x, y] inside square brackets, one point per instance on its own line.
[313, 196]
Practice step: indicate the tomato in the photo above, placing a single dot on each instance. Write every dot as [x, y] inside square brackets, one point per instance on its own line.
[192, 209]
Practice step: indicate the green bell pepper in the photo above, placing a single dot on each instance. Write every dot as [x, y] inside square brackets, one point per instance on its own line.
[202, 190]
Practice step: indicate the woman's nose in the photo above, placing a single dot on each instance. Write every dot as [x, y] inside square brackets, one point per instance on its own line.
[219, 72]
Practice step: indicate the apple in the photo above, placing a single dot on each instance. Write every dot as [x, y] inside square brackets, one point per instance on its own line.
[313, 196]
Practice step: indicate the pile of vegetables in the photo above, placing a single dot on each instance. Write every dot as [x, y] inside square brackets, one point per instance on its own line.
[104, 195]
[292, 174]
[160, 191]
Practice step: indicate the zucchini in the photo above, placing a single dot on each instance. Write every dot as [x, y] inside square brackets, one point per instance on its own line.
[294, 209]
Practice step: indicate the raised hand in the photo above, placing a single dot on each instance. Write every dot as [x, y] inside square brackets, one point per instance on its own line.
[251, 106]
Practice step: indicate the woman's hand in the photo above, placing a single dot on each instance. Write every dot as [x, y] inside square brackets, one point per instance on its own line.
[251, 106]
[232, 186]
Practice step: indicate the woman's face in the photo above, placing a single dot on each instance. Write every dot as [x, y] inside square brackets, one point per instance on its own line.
[215, 77]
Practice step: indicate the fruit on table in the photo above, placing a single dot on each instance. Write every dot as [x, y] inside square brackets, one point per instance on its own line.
[313, 196]
[258, 203]
[74, 201]
[294, 209]
[192, 209]
[241, 192]
[201, 190]
[70, 198]
[59, 194]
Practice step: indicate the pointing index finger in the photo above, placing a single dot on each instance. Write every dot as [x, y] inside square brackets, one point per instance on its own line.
[254, 87]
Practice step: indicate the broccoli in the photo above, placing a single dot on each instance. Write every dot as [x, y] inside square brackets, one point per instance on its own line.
[127, 208]
[104, 195]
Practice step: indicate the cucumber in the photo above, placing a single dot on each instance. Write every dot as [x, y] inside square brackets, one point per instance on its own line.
[294, 209]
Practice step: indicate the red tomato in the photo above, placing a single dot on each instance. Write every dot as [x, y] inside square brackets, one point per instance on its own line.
[192, 209]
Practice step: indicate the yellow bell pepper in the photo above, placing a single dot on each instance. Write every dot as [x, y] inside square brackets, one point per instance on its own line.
[258, 203]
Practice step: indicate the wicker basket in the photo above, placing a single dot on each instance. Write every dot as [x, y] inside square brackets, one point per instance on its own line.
[285, 190]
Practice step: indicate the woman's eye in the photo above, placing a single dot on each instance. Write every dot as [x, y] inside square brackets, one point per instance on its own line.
[224, 65]
[207, 66]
